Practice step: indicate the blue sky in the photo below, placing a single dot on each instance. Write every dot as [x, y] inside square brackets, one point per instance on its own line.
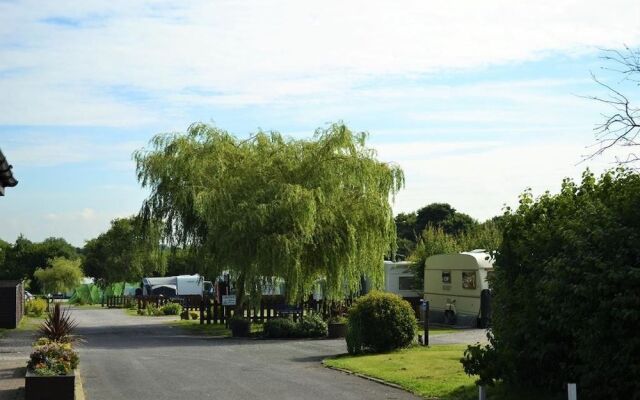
[475, 100]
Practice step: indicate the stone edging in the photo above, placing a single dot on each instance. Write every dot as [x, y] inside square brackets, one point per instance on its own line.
[79, 390]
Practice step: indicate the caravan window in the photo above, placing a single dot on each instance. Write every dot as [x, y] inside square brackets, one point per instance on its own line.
[407, 283]
[468, 279]
[446, 276]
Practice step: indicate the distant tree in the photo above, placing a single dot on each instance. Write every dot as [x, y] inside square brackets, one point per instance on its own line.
[433, 214]
[458, 223]
[128, 251]
[24, 257]
[61, 275]
[270, 206]
[621, 127]
[405, 230]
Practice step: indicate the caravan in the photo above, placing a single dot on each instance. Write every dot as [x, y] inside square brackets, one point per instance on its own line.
[457, 289]
[171, 286]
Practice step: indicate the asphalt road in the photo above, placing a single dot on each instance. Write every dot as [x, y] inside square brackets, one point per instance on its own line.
[127, 357]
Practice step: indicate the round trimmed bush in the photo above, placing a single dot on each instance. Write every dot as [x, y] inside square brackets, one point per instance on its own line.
[380, 322]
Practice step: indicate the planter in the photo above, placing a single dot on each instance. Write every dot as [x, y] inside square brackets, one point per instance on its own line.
[240, 327]
[337, 330]
[59, 387]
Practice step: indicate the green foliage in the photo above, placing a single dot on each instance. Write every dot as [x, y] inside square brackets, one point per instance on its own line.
[482, 361]
[566, 299]
[309, 326]
[279, 328]
[442, 215]
[62, 275]
[380, 322]
[274, 207]
[171, 309]
[151, 311]
[52, 358]
[35, 307]
[58, 326]
[194, 314]
[23, 258]
[128, 251]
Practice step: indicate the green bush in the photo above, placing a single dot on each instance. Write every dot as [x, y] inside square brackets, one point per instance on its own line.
[311, 326]
[171, 309]
[307, 327]
[35, 307]
[151, 311]
[566, 304]
[194, 314]
[380, 322]
[279, 328]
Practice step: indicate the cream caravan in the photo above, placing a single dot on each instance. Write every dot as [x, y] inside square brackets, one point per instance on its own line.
[457, 289]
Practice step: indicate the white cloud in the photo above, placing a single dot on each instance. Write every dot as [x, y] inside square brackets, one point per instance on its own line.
[480, 178]
[257, 52]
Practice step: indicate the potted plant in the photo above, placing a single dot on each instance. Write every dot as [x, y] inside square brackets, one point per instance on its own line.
[240, 327]
[50, 370]
[337, 327]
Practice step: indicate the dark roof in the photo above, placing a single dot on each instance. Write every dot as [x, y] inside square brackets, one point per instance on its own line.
[6, 176]
[11, 283]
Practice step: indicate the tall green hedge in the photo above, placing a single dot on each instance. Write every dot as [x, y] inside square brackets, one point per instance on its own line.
[566, 291]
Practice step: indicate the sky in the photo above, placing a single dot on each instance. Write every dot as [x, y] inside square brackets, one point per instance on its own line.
[475, 100]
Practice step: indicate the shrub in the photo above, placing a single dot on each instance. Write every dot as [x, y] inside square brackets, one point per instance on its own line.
[184, 314]
[194, 314]
[240, 327]
[279, 328]
[311, 326]
[380, 322]
[52, 358]
[58, 325]
[171, 309]
[35, 307]
[151, 311]
[565, 291]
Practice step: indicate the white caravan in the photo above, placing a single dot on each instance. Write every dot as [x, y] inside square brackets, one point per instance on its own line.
[182, 285]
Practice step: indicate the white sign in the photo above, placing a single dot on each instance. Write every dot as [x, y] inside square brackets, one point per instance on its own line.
[228, 299]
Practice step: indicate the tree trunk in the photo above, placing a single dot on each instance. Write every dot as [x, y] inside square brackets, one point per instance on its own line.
[240, 289]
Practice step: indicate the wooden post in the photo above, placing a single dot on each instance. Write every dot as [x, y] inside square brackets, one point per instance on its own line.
[202, 312]
[208, 304]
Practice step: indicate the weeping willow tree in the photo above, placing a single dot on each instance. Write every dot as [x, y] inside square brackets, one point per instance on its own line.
[274, 207]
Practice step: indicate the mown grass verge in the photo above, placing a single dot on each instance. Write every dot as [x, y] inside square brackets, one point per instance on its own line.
[432, 372]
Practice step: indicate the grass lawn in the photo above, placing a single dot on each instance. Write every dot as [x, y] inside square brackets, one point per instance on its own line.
[432, 372]
[30, 323]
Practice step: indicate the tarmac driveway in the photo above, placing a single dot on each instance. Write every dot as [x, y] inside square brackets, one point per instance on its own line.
[127, 357]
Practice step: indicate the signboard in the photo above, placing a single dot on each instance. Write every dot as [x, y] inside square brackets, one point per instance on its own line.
[228, 299]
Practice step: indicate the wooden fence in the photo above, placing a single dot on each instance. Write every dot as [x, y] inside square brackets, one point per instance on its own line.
[213, 312]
